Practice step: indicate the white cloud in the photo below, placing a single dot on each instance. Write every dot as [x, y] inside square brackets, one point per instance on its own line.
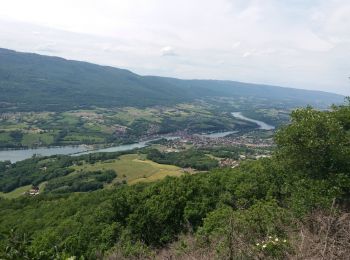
[246, 54]
[236, 45]
[168, 51]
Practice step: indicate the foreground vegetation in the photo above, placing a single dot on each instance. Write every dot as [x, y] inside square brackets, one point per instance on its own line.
[294, 204]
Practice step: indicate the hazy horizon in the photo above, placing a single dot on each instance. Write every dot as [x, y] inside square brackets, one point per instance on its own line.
[290, 44]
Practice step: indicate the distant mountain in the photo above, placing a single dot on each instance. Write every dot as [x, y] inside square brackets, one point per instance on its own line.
[32, 82]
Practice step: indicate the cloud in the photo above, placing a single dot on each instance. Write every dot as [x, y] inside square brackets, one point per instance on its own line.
[236, 45]
[246, 54]
[168, 51]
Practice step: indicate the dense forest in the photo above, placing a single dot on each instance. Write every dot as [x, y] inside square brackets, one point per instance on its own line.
[192, 158]
[292, 205]
[32, 82]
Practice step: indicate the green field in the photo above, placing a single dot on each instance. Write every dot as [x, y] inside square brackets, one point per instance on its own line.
[128, 115]
[43, 139]
[134, 168]
[16, 193]
[20, 191]
[5, 137]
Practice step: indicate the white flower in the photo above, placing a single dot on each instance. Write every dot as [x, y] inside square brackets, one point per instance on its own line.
[257, 244]
[285, 241]
[264, 246]
[276, 239]
[270, 237]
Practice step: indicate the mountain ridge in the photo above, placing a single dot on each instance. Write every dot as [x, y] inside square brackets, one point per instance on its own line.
[34, 82]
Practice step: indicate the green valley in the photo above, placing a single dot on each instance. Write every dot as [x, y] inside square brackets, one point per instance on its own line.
[266, 207]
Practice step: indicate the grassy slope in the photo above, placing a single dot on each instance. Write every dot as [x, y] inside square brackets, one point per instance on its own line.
[16, 193]
[19, 191]
[134, 168]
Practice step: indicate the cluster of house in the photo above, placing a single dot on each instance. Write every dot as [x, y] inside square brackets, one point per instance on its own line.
[120, 129]
[33, 191]
[12, 115]
[201, 141]
[89, 116]
[228, 162]
[232, 163]
[34, 130]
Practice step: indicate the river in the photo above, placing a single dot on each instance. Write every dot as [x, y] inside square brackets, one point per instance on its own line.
[262, 125]
[22, 154]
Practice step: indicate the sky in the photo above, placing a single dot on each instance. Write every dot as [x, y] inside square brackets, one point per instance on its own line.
[292, 43]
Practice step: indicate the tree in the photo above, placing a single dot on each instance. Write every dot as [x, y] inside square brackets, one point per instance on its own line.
[315, 143]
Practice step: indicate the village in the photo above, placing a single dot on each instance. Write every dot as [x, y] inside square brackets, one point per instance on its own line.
[250, 144]
[181, 140]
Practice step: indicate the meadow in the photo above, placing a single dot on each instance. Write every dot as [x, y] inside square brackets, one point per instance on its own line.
[20, 191]
[133, 168]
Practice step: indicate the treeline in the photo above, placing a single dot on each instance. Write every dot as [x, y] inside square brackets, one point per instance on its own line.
[80, 182]
[33, 171]
[232, 152]
[255, 211]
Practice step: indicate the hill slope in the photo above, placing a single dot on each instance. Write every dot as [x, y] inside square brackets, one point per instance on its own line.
[36, 82]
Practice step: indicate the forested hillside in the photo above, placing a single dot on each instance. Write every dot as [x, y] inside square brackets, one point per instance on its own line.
[31, 82]
[294, 205]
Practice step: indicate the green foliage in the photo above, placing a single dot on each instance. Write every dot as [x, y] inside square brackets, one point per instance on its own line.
[39, 169]
[191, 158]
[17, 246]
[232, 152]
[235, 233]
[33, 171]
[315, 150]
[80, 182]
[315, 143]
